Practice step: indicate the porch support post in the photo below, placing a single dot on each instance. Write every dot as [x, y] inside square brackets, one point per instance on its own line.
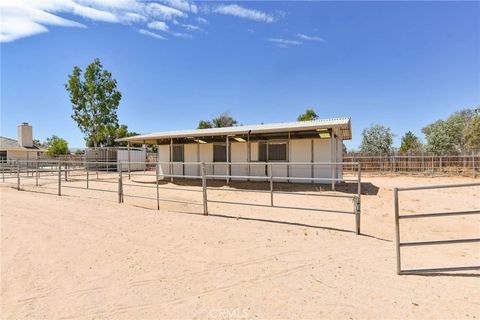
[171, 159]
[128, 151]
[249, 155]
[228, 159]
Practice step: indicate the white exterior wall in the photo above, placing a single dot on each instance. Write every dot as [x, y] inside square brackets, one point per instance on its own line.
[299, 150]
[322, 153]
[135, 156]
[21, 155]
[164, 156]
[239, 154]
[191, 154]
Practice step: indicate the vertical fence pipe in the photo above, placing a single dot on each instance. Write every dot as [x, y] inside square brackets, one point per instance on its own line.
[87, 177]
[397, 229]
[18, 175]
[156, 182]
[119, 186]
[59, 178]
[66, 170]
[204, 188]
[3, 171]
[333, 177]
[473, 165]
[358, 205]
[36, 174]
[270, 173]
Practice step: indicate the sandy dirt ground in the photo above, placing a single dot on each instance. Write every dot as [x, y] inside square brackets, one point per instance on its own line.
[85, 256]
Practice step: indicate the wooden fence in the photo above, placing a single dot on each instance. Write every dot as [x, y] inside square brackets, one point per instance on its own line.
[426, 164]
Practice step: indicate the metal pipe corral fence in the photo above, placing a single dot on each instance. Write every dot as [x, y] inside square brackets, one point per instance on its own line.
[72, 172]
[398, 217]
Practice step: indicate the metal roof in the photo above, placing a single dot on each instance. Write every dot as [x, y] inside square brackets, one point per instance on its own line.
[344, 124]
[11, 144]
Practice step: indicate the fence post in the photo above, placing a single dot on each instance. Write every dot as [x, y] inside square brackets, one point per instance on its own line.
[87, 176]
[156, 182]
[59, 178]
[358, 204]
[440, 164]
[473, 165]
[204, 187]
[66, 170]
[433, 166]
[18, 175]
[120, 186]
[271, 183]
[36, 174]
[333, 177]
[3, 171]
[397, 229]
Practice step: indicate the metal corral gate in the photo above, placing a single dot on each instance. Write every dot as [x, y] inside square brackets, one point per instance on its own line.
[399, 217]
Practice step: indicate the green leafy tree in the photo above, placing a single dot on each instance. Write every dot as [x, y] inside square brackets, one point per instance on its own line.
[109, 134]
[95, 99]
[56, 146]
[410, 142]
[224, 120]
[472, 133]
[37, 143]
[204, 124]
[448, 136]
[377, 139]
[308, 115]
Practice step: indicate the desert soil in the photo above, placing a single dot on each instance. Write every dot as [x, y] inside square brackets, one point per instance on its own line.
[85, 256]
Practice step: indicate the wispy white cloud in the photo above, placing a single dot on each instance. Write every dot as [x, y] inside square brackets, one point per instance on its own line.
[19, 20]
[182, 5]
[310, 38]
[151, 34]
[93, 14]
[284, 42]
[189, 27]
[202, 20]
[158, 25]
[182, 35]
[242, 12]
[163, 12]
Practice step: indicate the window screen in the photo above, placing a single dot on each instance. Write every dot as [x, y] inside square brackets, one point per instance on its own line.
[3, 156]
[277, 152]
[177, 154]
[219, 153]
[262, 151]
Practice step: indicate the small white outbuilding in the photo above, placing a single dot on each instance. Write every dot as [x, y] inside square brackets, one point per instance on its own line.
[244, 151]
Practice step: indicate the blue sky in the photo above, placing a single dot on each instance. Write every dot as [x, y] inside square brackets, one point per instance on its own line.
[400, 64]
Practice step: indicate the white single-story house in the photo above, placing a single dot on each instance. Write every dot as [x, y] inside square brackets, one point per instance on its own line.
[21, 149]
[244, 150]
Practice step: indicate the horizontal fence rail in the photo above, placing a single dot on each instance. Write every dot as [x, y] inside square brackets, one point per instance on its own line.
[398, 217]
[123, 177]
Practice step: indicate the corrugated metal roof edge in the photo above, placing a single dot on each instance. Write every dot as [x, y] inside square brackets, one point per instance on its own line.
[258, 128]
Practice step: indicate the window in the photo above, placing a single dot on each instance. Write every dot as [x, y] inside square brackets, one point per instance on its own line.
[272, 151]
[3, 156]
[177, 154]
[219, 153]
[277, 151]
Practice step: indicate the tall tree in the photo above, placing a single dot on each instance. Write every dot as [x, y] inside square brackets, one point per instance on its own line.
[56, 146]
[447, 136]
[472, 133]
[377, 139]
[308, 115]
[224, 120]
[410, 142]
[95, 99]
[204, 124]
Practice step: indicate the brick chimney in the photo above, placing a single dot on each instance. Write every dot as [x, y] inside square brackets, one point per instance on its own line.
[25, 136]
